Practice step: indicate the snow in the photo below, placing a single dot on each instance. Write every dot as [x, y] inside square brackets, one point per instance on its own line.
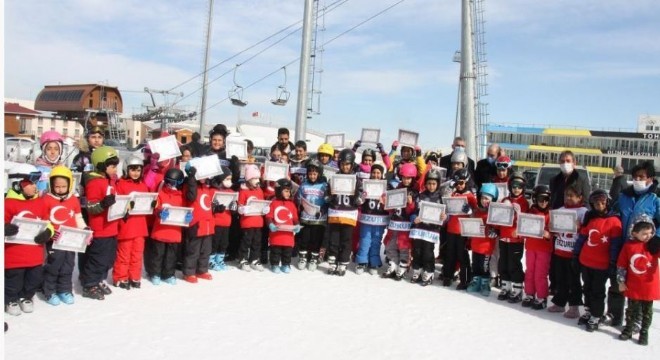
[305, 315]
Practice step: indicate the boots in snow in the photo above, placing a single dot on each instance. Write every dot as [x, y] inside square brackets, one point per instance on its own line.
[505, 289]
[302, 260]
[244, 265]
[516, 294]
[539, 304]
[643, 337]
[475, 285]
[359, 269]
[219, 262]
[391, 271]
[373, 270]
[485, 286]
[341, 270]
[256, 265]
[427, 278]
[527, 301]
[400, 273]
[592, 324]
[313, 264]
[416, 276]
[584, 319]
[573, 312]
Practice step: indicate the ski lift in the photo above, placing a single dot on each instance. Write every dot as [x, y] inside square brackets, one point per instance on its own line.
[281, 93]
[236, 93]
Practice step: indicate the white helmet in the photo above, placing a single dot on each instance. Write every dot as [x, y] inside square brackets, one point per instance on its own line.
[459, 156]
[21, 172]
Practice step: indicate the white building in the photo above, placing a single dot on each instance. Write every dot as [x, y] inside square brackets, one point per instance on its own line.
[648, 124]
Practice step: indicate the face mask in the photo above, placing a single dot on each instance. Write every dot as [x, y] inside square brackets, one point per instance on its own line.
[566, 168]
[459, 148]
[491, 160]
[640, 186]
[226, 183]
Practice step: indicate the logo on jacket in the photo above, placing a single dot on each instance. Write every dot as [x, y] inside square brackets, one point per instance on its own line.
[68, 214]
[638, 261]
[595, 238]
[276, 214]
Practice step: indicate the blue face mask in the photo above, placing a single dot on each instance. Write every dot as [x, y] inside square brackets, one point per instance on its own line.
[491, 160]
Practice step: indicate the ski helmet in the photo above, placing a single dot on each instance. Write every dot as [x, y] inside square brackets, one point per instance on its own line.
[600, 194]
[314, 164]
[346, 156]
[22, 172]
[518, 179]
[104, 156]
[369, 152]
[459, 156]
[461, 175]
[174, 177]
[64, 172]
[48, 137]
[489, 189]
[539, 192]
[408, 170]
[433, 174]
[280, 185]
[326, 149]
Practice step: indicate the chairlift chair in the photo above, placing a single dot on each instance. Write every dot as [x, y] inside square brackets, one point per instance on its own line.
[236, 93]
[281, 93]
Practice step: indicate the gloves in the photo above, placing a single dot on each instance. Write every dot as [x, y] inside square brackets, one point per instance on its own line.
[334, 201]
[265, 210]
[379, 146]
[395, 144]
[575, 264]
[189, 217]
[296, 229]
[56, 236]
[654, 245]
[191, 171]
[241, 210]
[317, 215]
[42, 237]
[357, 144]
[466, 208]
[218, 208]
[108, 201]
[492, 233]
[11, 229]
[418, 150]
[164, 214]
[272, 227]
[131, 205]
[153, 204]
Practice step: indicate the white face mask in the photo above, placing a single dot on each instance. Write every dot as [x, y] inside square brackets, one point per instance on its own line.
[566, 168]
[640, 186]
[226, 183]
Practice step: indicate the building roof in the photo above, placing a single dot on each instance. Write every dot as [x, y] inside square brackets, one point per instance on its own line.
[14, 108]
[68, 97]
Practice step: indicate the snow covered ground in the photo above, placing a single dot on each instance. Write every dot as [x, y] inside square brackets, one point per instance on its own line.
[306, 315]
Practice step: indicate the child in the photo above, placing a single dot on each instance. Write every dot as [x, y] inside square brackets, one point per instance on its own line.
[638, 276]
[23, 263]
[426, 236]
[483, 247]
[342, 218]
[163, 248]
[568, 288]
[314, 191]
[127, 271]
[538, 253]
[52, 147]
[251, 224]
[397, 240]
[64, 209]
[456, 244]
[100, 254]
[373, 221]
[197, 248]
[512, 246]
[602, 233]
[409, 155]
[325, 155]
[283, 213]
[222, 216]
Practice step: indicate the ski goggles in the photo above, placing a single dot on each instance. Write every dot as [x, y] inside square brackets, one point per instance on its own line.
[502, 165]
[517, 185]
[31, 177]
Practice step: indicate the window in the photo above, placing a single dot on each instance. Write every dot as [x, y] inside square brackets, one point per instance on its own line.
[23, 126]
[40, 121]
[649, 127]
[66, 121]
[128, 133]
[77, 133]
[40, 130]
[65, 131]
[91, 103]
[52, 122]
[137, 133]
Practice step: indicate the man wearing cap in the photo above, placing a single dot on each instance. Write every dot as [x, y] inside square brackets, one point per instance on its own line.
[486, 168]
[618, 183]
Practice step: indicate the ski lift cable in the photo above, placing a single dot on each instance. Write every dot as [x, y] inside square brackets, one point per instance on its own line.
[298, 58]
[336, 4]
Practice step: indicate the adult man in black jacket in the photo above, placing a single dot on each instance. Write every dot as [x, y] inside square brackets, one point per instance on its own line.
[618, 183]
[458, 143]
[486, 168]
[567, 176]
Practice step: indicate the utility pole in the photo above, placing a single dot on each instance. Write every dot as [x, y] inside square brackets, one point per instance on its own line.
[205, 84]
[303, 82]
[467, 80]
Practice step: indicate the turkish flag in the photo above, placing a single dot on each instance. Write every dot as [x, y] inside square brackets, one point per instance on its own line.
[255, 114]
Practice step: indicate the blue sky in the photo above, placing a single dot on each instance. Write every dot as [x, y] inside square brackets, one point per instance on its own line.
[590, 63]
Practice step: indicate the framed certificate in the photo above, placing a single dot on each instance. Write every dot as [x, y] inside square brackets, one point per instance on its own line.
[73, 239]
[343, 184]
[225, 198]
[531, 225]
[396, 199]
[310, 208]
[500, 214]
[28, 229]
[206, 166]
[472, 227]
[408, 138]
[236, 148]
[430, 212]
[274, 171]
[502, 191]
[167, 147]
[374, 188]
[287, 227]
[336, 140]
[177, 216]
[370, 136]
[454, 205]
[563, 221]
[256, 207]
[329, 172]
[142, 204]
[119, 208]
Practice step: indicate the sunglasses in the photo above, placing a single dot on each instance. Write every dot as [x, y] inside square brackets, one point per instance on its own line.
[516, 186]
[502, 165]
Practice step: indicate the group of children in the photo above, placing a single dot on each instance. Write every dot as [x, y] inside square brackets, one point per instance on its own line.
[318, 224]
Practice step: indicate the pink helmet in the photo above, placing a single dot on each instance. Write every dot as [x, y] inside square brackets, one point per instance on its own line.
[408, 170]
[365, 168]
[252, 172]
[48, 137]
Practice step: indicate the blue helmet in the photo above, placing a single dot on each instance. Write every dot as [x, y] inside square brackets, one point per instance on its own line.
[489, 189]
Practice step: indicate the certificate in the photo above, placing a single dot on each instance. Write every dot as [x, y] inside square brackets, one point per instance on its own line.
[408, 138]
[531, 225]
[370, 136]
[336, 140]
[206, 166]
[274, 171]
[396, 199]
[329, 172]
[374, 188]
[77, 184]
[167, 147]
[256, 207]
[236, 148]
[287, 227]
[472, 227]
[500, 214]
[177, 216]
[430, 212]
[563, 221]
[72, 239]
[502, 191]
[142, 203]
[225, 198]
[343, 184]
[28, 229]
[310, 208]
[455, 205]
[119, 208]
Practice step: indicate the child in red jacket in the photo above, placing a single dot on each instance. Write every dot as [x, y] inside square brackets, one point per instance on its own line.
[198, 195]
[538, 253]
[23, 263]
[283, 225]
[162, 250]
[251, 223]
[638, 276]
[483, 247]
[127, 271]
[222, 215]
